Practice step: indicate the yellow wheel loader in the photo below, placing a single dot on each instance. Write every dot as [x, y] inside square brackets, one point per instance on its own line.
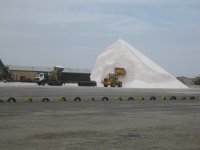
[112, 78]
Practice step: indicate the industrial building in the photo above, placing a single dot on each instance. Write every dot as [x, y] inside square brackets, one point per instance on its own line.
[69, 75]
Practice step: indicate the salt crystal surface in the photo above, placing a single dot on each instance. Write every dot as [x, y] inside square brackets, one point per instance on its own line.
[141, 71]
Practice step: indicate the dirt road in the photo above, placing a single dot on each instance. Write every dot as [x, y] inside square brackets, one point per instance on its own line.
[112, 125]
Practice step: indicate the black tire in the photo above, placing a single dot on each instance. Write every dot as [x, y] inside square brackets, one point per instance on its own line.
[11, 99]
[43, 83]
[173, 98]
[120, 84]
[192, 98]
[77, 99]
[153, 98]
[1, 101]
[105, 85]
[130, 99]
[45, 99]
[60, 83]
[105, 99]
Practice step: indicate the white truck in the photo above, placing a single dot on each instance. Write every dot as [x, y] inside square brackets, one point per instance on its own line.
[50, 78]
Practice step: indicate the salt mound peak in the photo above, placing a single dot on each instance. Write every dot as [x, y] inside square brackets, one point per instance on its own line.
[141, 71]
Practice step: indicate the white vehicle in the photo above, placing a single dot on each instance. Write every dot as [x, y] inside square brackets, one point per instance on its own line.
[51, 78]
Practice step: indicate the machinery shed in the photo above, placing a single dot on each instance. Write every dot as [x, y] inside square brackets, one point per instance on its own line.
[69, 75]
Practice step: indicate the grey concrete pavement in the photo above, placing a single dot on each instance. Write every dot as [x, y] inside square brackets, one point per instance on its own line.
[113, 125]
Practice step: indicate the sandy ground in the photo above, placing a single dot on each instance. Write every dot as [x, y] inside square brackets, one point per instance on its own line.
[112, 125]
[25, 84]
[102, 125]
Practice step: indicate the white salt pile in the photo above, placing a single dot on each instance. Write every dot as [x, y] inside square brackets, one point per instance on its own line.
[141, 72]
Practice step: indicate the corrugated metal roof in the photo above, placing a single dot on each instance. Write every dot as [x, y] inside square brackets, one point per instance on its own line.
[30, 68]
[75, 70]
[46, 69]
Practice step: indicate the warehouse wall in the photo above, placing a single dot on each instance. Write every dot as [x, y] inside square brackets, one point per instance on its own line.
[22, 75]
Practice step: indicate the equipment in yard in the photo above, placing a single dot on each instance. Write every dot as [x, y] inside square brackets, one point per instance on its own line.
[112, 78]
[87, 83]
[51, 78]
[197, 80]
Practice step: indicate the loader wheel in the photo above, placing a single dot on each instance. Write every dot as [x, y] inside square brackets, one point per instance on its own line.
[77, 99]
[1, 101]
[45, 100]
[105, 85]
[11, 99]
[120, 84]
[105, 99]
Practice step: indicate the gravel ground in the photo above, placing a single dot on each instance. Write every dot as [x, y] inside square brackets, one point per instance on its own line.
[108, 125]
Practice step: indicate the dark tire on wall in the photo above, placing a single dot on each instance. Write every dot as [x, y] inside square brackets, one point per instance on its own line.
[152, 98]
[105, 99]
[77, 99]
[173, 98]
[130, 99]
[11, 99]
[192, 98]
[45, 99]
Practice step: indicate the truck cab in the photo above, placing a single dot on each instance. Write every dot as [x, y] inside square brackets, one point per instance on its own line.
[40, 78]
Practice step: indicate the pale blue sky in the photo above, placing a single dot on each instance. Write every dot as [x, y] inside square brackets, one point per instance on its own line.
[72, 33]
